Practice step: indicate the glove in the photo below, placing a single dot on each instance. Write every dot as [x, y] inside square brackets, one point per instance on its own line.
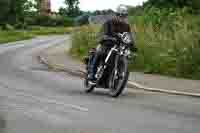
[134, 49]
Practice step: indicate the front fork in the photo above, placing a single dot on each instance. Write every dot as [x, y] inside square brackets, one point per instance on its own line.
[103, 66]
[116, 65]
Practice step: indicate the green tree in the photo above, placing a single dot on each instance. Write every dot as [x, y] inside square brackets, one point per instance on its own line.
[4, 6]
[72, 8]
[13, 10]
[194, 4]
[16, 12]
[63, 11]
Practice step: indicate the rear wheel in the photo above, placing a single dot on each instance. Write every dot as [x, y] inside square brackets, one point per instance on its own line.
[119, 77]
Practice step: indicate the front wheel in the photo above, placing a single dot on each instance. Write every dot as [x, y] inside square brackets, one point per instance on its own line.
[119, 77]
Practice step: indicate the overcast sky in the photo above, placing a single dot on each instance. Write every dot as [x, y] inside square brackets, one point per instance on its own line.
[91, 5]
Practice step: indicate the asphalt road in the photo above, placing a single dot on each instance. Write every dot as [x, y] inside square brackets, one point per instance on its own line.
[36, 100]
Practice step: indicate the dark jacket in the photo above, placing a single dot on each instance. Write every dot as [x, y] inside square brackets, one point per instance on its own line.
[113, 26]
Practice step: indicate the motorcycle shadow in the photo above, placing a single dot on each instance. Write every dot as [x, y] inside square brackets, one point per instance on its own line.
[100, 92]
[97, 92]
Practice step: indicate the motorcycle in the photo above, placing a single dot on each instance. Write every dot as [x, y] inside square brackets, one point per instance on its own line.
[112, 73]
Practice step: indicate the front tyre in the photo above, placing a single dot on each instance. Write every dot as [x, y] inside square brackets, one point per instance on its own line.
[119, 77]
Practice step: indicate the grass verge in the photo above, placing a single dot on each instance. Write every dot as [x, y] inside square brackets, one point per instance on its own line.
[38, 30]
[13, 35]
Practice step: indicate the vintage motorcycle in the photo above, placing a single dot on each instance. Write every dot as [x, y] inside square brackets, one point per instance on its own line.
[112, 73]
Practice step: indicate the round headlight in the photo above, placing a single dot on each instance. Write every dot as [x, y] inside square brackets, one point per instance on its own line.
[127, 38]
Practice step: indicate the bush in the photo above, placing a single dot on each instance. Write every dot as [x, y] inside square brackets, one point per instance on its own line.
[7, 27]
[168, 46]
[53, 21]
[44, 21]
[31, 20]
[64, 21]
[82, 20]
[83, 39]
[21, 25]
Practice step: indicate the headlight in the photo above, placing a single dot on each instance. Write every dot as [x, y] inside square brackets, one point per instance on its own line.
[127, 38]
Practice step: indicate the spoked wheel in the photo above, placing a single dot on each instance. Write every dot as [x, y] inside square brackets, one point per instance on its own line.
[119, 78]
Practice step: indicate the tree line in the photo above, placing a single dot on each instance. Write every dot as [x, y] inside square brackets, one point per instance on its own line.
[15, 12]
[192, 6]
[22, 12]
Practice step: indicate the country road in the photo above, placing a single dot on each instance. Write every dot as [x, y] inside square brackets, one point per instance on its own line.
[34, 99]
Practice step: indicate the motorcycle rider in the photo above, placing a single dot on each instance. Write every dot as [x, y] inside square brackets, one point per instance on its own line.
[117, 24]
